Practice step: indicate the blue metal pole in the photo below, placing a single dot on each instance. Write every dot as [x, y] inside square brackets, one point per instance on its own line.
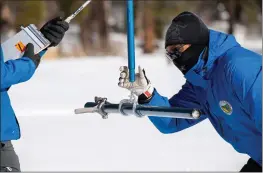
[130, 40]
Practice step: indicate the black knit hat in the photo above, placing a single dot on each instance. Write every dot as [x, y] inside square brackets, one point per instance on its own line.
[187, 28]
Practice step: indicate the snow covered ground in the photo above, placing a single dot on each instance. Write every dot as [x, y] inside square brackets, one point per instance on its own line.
[55, 139]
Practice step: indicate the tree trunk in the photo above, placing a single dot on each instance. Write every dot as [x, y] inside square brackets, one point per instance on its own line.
[149, 36]
[259, 2]
[86, 28]
[238, 11]
[1, 7]
[94, 30]
[102, 25]
[139, 18]
[232, 16]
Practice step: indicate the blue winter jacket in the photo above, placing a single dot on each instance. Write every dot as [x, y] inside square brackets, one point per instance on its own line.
[228, 90]
[12, 72]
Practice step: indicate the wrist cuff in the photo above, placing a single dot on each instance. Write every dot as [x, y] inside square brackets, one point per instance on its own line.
[146, 96]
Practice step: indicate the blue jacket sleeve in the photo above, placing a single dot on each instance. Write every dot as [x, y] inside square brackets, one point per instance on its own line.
[16, 71]
[186, 99]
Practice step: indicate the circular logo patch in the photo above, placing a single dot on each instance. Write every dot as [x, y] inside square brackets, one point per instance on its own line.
[226, 107]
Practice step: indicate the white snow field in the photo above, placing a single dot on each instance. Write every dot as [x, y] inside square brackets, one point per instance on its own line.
[55, 139]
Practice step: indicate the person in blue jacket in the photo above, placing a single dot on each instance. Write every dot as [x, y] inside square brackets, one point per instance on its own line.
[223, 80]
[14, 72]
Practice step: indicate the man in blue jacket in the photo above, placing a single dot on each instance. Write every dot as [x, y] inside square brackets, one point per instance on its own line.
[15, 72]
[223, 80]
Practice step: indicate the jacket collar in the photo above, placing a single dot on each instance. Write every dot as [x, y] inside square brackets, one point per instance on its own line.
[201, 73]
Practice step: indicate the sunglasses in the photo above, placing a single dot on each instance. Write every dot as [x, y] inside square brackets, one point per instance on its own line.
[175, 53]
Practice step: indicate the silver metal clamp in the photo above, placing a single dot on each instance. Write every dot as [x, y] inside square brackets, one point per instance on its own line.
[101, 102]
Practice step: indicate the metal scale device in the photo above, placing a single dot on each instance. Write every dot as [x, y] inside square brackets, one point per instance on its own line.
[14, 47]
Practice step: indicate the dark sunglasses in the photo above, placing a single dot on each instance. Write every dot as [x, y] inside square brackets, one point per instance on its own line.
[173, 55]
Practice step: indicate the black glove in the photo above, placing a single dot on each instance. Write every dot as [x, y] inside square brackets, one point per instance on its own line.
[29, 52]
[54, 30]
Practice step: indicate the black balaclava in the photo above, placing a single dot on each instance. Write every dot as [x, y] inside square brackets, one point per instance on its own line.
[187, 28]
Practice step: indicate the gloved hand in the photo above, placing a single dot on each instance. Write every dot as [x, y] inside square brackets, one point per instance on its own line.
[54, 30]
[29, 52]
[142, 86]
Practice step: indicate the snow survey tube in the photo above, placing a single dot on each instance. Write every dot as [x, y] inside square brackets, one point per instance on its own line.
[104, 108]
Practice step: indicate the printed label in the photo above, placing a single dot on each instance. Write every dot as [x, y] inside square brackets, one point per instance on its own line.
[20, 46]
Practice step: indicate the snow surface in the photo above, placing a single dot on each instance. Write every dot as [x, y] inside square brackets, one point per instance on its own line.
[55, 139]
